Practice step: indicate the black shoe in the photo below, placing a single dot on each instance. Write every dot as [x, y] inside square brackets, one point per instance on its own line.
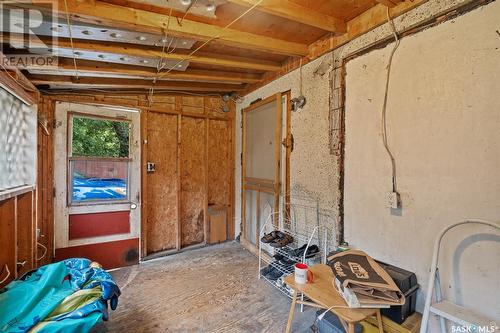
[288, 262]
[312, 251]
[299, 252]
[272, 273]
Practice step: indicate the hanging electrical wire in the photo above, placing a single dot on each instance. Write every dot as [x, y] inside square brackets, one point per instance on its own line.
[384, 106]
[187, 11]
[71, 38]
[162, 62]
[300, 77]
[8, 274]
[213, 38]
[44, 252]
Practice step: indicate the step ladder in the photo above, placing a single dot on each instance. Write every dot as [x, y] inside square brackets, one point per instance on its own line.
[444, 309]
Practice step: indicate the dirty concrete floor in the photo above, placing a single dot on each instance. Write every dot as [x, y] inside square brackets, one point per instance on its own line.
[212, 289]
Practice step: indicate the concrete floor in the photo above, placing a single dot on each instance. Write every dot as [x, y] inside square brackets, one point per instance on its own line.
[212, 289]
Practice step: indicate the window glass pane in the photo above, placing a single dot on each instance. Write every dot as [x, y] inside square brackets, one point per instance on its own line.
[99, 180]
[100, 137]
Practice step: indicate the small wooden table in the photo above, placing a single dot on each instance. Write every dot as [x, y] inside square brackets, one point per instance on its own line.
[324, 295]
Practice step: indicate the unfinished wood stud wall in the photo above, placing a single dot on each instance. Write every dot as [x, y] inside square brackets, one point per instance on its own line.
[17, 235]
[45, 182]
[192, 144]
[162, 184]
[197, 140]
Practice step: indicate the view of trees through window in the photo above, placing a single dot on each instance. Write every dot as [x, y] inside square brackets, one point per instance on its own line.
[100, 137]
[96, 173]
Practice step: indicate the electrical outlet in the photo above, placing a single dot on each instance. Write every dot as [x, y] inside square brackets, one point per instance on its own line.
[38, 231]
[393, 200]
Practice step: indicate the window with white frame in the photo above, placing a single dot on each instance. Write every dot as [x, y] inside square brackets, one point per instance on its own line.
[99, 159]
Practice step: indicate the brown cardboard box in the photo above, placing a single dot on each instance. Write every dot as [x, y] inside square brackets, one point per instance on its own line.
[217, 218]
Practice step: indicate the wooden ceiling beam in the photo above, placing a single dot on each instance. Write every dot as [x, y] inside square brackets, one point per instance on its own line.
[146, 52]
[15, 82]
[298, 13]
[389, 3]
[97, 68]
[110, 15]
[361, 24]
[113, 83]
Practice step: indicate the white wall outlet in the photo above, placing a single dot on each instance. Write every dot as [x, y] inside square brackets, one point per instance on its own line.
[393, 200]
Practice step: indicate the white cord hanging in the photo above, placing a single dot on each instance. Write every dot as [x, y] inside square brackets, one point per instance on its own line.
[384, 107]
[8, 274]
[44, 252]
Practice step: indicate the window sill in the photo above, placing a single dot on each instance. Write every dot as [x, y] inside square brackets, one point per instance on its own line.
[15, 191]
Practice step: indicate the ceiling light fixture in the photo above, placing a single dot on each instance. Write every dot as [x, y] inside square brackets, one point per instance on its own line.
[115, 35]
[186, 2]
[144, 61]
[78, 53]
[87, 32]
[141, 38]
[124, 59]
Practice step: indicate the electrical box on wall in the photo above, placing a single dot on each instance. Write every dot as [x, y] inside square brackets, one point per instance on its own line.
[150, 167]
[393, 200]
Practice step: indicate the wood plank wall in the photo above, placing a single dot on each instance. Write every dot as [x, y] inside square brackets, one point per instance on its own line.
[17, 235]
[45, 181]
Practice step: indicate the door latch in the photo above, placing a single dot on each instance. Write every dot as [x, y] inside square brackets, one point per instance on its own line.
[288, 142]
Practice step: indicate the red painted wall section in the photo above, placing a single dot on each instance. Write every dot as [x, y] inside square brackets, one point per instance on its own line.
[109, 254]
[98, 224]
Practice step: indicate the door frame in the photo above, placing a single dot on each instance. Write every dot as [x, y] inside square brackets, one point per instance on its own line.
[281, 182]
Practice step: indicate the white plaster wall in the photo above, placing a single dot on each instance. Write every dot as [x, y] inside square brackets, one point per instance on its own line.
[314, 172]
[444, 129]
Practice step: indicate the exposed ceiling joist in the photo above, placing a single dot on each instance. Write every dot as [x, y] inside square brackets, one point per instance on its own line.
[101, 13]
[100, 69]
[15, 82]
[113, 83]
[389, 3]
[146, 52]
[298, 13]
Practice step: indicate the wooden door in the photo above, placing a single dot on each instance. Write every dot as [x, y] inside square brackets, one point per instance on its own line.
[162, 183]
[261, 166]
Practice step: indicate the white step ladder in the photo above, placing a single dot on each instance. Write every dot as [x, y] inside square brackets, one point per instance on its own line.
[447, 310]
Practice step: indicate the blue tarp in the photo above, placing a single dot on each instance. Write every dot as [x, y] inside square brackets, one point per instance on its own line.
[68, 296]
